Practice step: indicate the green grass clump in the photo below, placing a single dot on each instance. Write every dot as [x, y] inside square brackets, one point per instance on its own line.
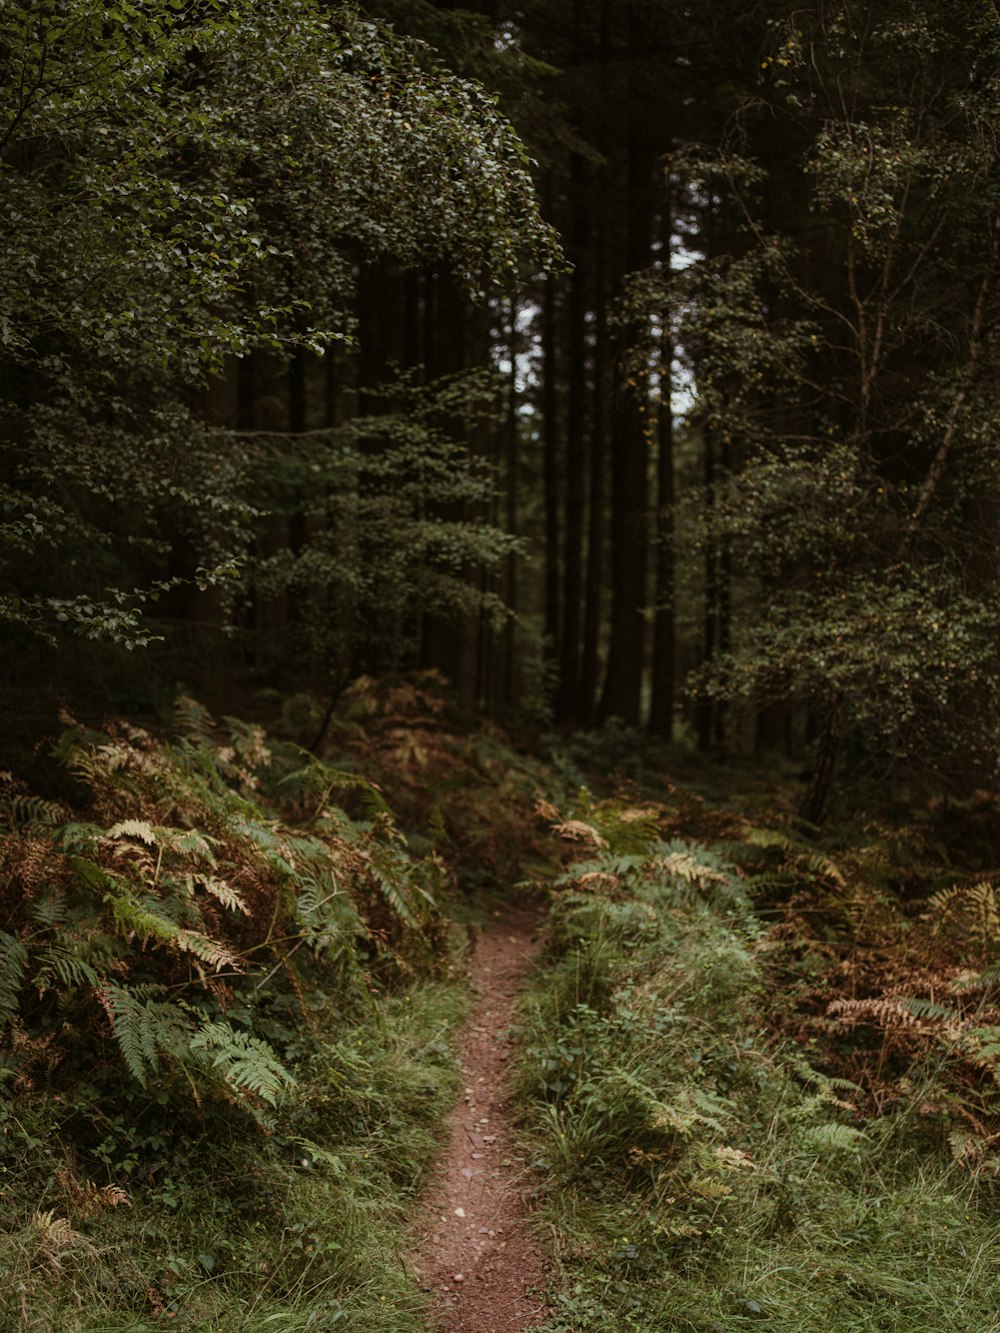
[695, 1174]
[301, 1227]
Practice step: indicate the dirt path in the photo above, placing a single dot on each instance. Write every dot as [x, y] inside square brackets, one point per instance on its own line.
[475, 1252]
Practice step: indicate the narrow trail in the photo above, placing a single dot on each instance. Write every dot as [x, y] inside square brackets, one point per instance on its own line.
[474, 1250]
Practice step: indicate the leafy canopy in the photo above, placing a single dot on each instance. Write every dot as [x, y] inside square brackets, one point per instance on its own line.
[184, 182]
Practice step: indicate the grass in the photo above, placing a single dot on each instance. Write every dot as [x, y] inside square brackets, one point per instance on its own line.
[694, 1172]
[303, 1228]
[227, 997]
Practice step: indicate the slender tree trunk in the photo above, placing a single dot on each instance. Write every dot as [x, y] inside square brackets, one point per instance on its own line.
[705, 709]
[575, 465]
[553, 470]
[597, 467]
[246, 419]
[511, 498]
[568, 694]
[295, 602]
[600, 431]
[622, 695]
[724, 598]
[661, 716]
[456, 335]
[818, 791]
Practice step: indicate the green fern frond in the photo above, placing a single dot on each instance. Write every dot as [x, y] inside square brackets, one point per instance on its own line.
[973, 908]
[843, 1085]
[193, 718]
[145, 1027]
[835, 1138]
[327, 915]
[50, 909]
[189, 842]
[78, 838]
[62, 962]
[920, 1007]
[21, 811]
[793, 847]
[317, 1156]
[134, 917]
[391, 894]
[985, 1043]
[271, 842]
[13, 963]
[320, 781]
[245, 1063]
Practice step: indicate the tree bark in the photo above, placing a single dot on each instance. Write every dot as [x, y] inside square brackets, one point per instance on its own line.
[661, 715]
[568, 696]
[622, 695]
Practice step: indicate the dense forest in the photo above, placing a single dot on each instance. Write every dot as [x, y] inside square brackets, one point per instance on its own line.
[455, 456]
[675, 409]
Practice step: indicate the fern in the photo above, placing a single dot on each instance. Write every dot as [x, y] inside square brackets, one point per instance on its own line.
[271, 842]
[146, 1027]
[689, 866]
[985, 1044]
[392, 895]
[315, 1155]
[64, 963]
[222, 892]
[51, 909]
[209, 951]
[189, 842]
[327, 915]
[19, 810]
[138, 918]
[835, 1138]
[82, 838]
[320, 781]
[134, 828]
[807, 856]
[13, 963]
[974, 908]
[245, 1063]
[923, 1008]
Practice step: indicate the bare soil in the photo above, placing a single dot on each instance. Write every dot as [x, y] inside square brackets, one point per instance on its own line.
[475, 1250]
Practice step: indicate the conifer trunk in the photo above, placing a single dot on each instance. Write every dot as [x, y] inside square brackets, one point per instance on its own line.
[630, 489]
[568, 696]
[661, 716]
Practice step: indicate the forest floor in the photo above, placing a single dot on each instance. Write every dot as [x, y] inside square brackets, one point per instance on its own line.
[472, 1240]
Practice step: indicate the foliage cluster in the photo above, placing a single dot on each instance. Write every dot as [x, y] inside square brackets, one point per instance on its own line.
[467, 793]
[698, 1172]
[385, 503]
[184, 183]
[883, 963]
[839, 324]
[215, 1064]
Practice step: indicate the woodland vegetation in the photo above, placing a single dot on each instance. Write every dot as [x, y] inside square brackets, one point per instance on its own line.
[451, 448]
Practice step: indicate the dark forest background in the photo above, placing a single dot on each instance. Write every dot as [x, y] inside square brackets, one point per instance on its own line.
[694, 428]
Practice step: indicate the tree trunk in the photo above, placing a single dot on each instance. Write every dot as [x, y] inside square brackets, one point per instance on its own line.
[814, 801]
[597, 467]
[622, 695]
[550, 446]
[705, 708]
[661, 715]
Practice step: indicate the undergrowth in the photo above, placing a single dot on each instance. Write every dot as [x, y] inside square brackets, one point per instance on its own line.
[226, 1004]
[706, 1164]
[466, 792]
[760, 1072]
